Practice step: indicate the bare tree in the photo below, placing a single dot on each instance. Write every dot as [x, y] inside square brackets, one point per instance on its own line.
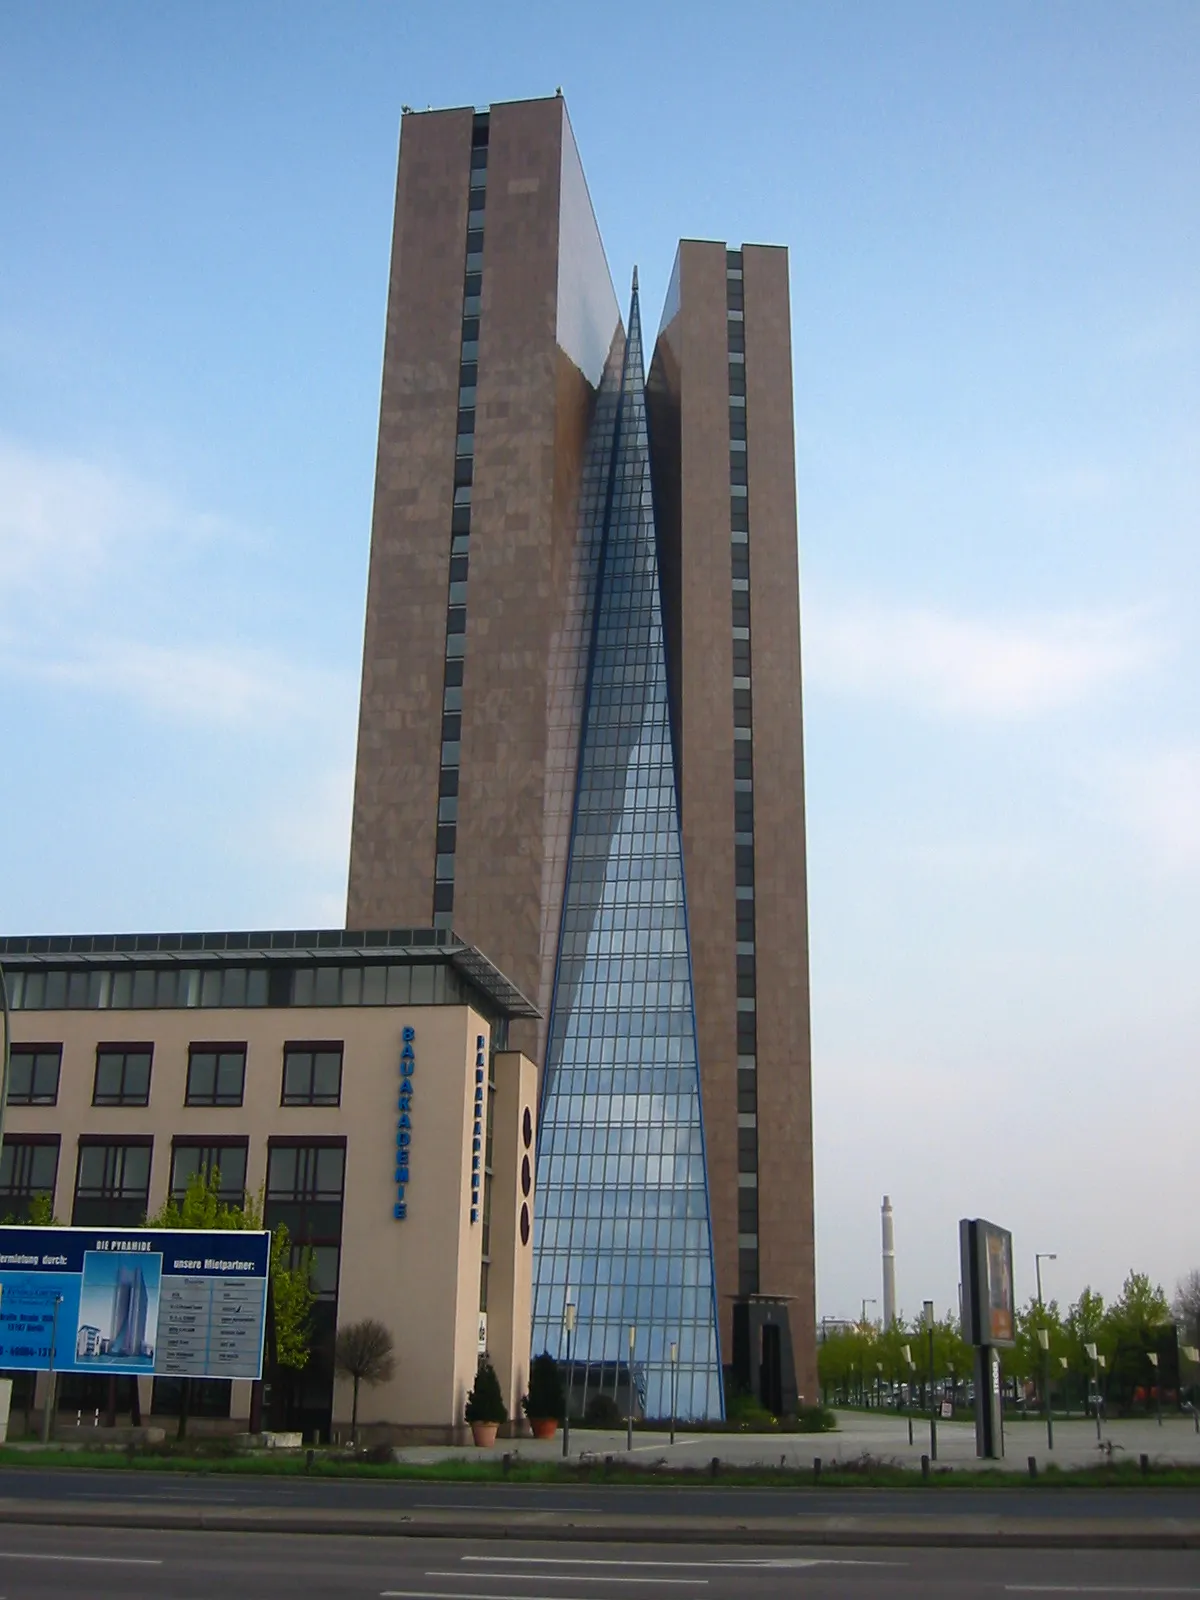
[1186, 1305]
[363, 1353]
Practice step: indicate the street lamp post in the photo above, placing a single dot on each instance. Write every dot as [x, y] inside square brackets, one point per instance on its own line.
[1044, 1340]
[932, 1405]
[1153, 1354]
[1045, 1255]
[569, 1325]
[1089, 1351]
[629, 1415]
[878, 1382]
[1066, 1390]
[906, 1352]
[674, 1368]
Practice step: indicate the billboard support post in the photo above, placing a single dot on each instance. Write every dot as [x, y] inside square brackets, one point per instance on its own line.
[51, 1377]
[989, 1322]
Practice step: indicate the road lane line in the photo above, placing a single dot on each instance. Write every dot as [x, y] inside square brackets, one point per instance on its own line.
[452, 1594]
[570, 1577]
[754, 1564]
[1100, 1588]
[107, 1561]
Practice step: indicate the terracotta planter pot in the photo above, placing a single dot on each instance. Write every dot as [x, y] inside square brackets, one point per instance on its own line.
[543, 1427]
[484, 1434]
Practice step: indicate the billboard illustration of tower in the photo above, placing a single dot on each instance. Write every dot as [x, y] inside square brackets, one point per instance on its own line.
[118, 1308]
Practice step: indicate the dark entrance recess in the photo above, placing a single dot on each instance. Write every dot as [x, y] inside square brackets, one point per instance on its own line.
[763, 1365]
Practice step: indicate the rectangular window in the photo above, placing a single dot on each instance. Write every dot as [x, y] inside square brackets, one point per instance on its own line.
[747, 1149]
[746, 1047]
[737, 336]
[747, 1210]
[737, 377]
[205, 1157]
[305, 1183]
[747, 1272]
[33, 1074]
[216, 1075]
[312, 1074]
[112, 1183]
[741, 608]
[122, 1075]
[745, 867]
[28, 1169]
[739, 557]
[745, 978]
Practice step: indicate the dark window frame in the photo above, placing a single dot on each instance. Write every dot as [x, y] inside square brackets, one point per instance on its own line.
[36, 1051]
[124, 1049]
[210, 1144]
[20, 1189]
[217, 1048]
[312, 1047]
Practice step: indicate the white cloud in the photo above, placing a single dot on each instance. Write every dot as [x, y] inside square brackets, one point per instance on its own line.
[68, 523]
[949, 665]
[101, 576]
[224, 684]
[1159, 796]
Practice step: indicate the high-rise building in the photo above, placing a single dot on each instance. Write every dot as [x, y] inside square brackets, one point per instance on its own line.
[580, 735]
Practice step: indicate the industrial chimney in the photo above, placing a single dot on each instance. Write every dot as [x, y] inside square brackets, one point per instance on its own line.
[889, 1266]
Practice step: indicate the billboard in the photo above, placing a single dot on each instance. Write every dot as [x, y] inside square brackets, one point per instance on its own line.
[165, 1303]
[989, 1309]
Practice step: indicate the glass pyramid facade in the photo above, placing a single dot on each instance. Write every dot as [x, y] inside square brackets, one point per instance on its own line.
[623, 1230]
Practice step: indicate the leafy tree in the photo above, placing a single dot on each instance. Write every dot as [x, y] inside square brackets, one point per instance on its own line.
[292, 1293]
[1140, 1306]
[363, 1353]
[1186, 1305]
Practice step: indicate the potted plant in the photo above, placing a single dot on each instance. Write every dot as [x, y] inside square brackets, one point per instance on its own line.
[485, 1406]
[545, 1402]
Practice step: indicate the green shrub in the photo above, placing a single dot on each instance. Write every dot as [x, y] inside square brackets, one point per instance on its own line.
[603, 1412]
[485, 1403]
[545, 1400]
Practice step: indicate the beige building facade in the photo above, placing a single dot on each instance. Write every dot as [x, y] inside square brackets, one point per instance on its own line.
[358, 1085]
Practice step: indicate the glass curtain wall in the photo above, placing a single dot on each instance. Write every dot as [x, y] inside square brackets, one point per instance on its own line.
[623, 1230]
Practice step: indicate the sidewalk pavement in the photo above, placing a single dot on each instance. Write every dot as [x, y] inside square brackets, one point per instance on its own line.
[883, 1437]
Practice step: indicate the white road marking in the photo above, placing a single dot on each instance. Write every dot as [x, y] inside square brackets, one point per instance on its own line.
[571, 1577]
[107, 1561]
[446, 1594]
[1099, 1588]
[758, 1563]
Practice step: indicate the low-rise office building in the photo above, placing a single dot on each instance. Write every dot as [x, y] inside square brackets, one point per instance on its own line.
[360, 1083]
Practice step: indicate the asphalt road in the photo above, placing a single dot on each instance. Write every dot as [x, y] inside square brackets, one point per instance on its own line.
[169, 1488]
[58, 1564]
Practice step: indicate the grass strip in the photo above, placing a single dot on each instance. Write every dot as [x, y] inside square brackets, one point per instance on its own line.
[865, 1475]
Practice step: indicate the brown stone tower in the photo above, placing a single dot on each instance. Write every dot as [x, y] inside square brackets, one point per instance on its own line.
[502, 332]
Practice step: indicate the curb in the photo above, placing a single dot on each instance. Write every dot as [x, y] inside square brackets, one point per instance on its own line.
[899, 1533]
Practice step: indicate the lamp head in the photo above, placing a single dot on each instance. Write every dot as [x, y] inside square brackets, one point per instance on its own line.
[1044, 1338]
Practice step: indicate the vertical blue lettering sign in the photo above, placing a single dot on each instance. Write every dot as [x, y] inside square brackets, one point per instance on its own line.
[477, 1129]
[408, 1065]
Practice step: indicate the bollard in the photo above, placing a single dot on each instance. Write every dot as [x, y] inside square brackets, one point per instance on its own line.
[714, 1466]
[1033, 1466]
[96, 1418]
[816, 1469]
[506, 1462]
[1144, 1463]
[925, 1468]
[1196, 1417]
[910, 1437]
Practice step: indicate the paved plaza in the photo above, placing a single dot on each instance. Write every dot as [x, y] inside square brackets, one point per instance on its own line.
[883, 1437]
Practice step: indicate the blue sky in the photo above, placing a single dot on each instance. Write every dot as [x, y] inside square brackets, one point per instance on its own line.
[993, 216]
